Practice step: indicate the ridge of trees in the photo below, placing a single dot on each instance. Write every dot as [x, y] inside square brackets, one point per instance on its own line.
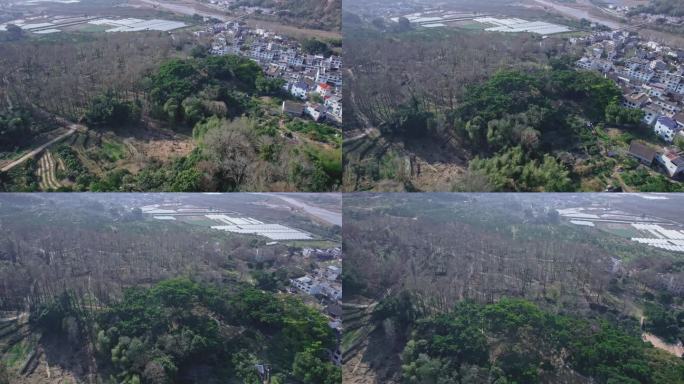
[514, 341]
[162, 333]
[18, 126]
[511, 122]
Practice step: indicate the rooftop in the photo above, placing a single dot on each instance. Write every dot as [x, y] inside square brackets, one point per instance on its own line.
[642, 151]
[668, 122]
[675, 158]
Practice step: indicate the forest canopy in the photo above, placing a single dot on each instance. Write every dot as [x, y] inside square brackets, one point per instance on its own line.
[179, 328]
[513, 122]
[513, 341]
[242, 142]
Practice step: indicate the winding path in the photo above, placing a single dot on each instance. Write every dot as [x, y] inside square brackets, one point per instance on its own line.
[72, 129]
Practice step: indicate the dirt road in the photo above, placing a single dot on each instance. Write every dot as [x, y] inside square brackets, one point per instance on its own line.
[675, 349]
[72, 129]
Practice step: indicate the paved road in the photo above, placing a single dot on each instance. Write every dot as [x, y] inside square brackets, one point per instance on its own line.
[189, 10]
[320, 213]
[580, 14]
[72, 129]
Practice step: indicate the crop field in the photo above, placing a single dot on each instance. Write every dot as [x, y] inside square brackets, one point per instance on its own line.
[48, 166]
[135, 25]
[649, 230]
[520, 25]
[233, 223]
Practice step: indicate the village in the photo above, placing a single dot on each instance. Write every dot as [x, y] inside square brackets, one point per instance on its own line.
[313, 80]
[324, 283]
[651, 76]
[643, 17]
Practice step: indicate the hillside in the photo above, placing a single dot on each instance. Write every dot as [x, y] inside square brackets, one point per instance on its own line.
[432, 279]
[175, 331]
[522, 119]
[107, 291]
[177, 124]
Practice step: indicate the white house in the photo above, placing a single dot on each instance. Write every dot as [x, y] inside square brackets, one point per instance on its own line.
[300, 89]
[650, 116]
[635, 100]
[334, 106]
[332, 272]
[295, 61]
[666, 128]
[655, 90]
[585, 63]
[324, 89]
[334, 62]
[658, 65]
[666, 105]
[314, 110]
[331, 290]
[673, 163]
[263, 55]
[306, 284]
[332, 77]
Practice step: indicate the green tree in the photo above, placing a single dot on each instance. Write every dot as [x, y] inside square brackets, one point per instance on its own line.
[266, 281]
[173, 110]
[108, 110]
[14, 32]
[618, 115]
[269, 87]
[245, 367]
[314, 46]
[198, 52]
[662, 322]
[403, 24]
[310, 367]
[193, 110]
[187, 180]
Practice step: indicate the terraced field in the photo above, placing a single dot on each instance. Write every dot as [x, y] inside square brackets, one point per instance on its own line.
[18, 347]
[48, 165]
[30, 357]
[357, 343]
